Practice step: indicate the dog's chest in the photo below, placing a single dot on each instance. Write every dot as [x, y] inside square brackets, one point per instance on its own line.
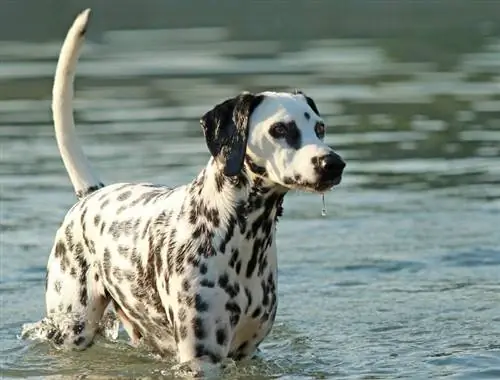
[255, 269]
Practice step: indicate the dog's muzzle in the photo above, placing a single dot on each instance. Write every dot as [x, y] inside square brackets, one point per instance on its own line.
[329, 168]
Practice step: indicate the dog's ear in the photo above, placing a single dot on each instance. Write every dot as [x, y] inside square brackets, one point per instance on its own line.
[309, 101]
[226, 130]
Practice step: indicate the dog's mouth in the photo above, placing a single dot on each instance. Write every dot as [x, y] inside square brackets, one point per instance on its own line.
[314, 187]
[328, 185]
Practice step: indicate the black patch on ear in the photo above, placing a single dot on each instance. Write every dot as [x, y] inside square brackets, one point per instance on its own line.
[309, 101]
[226, 130]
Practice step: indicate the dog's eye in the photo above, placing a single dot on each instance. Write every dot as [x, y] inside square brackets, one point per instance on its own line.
[319, 128]
[278, 130]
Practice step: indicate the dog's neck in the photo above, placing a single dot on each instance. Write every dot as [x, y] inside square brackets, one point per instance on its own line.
[246, 206]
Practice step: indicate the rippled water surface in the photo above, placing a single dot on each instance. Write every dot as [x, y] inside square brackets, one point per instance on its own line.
[400, 280]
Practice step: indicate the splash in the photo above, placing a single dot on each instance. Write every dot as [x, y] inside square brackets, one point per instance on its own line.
[36, 331]
[109, 326]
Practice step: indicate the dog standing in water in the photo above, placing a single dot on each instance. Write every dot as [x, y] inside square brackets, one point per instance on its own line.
[190, 270]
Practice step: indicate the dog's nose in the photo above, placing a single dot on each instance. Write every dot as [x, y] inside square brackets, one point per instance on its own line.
[331, 165]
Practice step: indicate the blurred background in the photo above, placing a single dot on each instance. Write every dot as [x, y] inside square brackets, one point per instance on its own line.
[400, 279]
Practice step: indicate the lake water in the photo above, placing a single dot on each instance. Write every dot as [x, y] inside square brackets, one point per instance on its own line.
[401, 279]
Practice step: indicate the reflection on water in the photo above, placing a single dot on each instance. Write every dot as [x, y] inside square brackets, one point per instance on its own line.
[401, 278]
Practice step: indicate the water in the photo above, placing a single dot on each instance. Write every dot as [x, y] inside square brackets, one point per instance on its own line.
[400, 279]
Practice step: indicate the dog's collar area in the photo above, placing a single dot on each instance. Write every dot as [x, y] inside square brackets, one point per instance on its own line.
[251, 191]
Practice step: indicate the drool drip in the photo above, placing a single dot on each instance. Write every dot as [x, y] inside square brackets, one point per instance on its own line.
[323, 210]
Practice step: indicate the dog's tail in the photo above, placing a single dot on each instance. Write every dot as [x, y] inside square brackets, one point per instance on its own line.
[80, 172]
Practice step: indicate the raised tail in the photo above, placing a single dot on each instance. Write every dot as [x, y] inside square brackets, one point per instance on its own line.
[83, 178]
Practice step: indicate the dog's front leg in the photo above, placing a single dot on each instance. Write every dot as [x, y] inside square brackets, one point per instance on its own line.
[202, 317]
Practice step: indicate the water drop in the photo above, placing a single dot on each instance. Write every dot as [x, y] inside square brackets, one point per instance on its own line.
[323, 210]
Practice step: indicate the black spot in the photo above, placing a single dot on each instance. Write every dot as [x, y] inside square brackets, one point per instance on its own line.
[125, 195]
[193, 260]
[309, 101]
[199, 331]
[60, 250]
[182, 314]
[200, 350]
[104, 204]
[233, 290]
[200, 304]
[183, 332]
[57, 286]
[229, 234]
[185, 285]
[200, 230]
[176, 334]
[221, 336]
[83, 193]
[171, 314]
[203, 268]
[146, 229]
[123, 250]
[257, 312]
[83, 296]
[233, 307]
[115, 230]
[51, 333]
[213, 217]
[97, 220]
[257, 169]
[253, 259]
[59, 339]
[307, 115]
[249, 299]
[219, 181]
[238, 267]
[79, 341]
[311, 104]
[107, 263]
[207, 283]
[180, 257]
[183, 299]
[234, 319]
[214, 358]
[223, 280]
[78, 327]
[241, 213]
[234, 257]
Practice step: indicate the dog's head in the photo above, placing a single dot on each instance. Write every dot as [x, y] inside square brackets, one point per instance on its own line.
[279, 135]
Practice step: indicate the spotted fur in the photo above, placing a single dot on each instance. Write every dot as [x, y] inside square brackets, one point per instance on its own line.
[190, 270]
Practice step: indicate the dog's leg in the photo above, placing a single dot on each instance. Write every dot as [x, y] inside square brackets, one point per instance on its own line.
[75, 297]
[203, 326]
[131, 330]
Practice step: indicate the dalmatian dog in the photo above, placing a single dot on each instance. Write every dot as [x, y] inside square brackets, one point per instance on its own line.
[190, 271]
